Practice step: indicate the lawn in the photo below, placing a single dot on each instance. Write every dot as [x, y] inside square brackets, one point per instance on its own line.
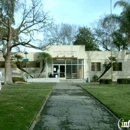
[19, 104]
[115, 97]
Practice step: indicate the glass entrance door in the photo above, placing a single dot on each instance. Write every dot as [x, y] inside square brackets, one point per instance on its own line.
[62, 71]
[69, 68]
[59, 70]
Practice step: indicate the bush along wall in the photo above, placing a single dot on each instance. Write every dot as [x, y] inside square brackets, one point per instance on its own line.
[105, 81]
[15, 79]
[123, 81]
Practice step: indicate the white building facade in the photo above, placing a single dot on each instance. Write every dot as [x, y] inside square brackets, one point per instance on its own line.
[74, 62]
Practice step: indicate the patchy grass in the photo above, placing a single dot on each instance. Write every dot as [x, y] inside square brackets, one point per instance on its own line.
[19, 104]
[115, 97]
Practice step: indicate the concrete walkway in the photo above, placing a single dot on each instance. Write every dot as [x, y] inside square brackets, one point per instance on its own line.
[71, 108]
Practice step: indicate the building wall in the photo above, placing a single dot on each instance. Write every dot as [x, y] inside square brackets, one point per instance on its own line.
[16, 72]
[66, 51]
[96, 56]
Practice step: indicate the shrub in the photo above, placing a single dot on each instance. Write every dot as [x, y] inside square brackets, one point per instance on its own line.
[102, 81]
[108, 81]
[123, 81]
[18, 79]
[128, 81]
[94, 78]
[105, 81]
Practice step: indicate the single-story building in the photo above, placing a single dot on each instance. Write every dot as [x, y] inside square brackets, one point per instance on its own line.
[73, 62]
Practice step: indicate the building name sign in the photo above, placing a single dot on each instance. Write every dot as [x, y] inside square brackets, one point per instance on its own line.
[65, 52]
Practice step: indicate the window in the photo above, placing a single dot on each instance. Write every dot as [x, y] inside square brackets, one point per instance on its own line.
[95, 66]
[117, 66]
[80, 61]
[2, 64]
[32, 64]
[74, 61]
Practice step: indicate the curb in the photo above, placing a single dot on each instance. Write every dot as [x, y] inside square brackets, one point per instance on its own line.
[38, 114]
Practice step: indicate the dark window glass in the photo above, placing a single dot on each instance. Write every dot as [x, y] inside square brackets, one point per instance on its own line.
[2, 64]
[117, 66]
[95, 66]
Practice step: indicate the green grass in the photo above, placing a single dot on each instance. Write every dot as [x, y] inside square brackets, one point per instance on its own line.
[19, 104]
[115, 97]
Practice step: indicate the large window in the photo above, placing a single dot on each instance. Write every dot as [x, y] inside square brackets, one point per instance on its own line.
[117, 66]
[95, 66]
[32, 64]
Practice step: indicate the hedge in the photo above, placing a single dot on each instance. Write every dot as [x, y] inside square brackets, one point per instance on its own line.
[105, 81]
[123, 81]
[15, 79]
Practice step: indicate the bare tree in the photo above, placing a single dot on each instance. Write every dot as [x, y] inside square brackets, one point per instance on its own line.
[19, 21]
[103, 33]
[62, 34]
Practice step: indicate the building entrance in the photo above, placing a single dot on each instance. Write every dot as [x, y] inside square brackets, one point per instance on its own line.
[59, 70]
[69, 68]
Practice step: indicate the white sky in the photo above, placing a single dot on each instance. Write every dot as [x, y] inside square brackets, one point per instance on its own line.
[80, 12]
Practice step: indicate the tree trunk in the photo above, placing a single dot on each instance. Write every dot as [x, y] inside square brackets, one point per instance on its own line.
[43, 66]
[19, 67]
[8, 71]
[106, 69]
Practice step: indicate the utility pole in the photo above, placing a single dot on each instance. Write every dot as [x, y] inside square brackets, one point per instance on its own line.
[111, 40]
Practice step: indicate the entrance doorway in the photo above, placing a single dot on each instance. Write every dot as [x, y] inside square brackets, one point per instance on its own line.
[69, 68]
[61, 70]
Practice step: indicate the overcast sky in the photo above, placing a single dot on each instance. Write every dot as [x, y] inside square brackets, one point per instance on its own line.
[80, 12]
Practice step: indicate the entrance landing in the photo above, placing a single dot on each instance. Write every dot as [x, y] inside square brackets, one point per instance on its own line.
[55, 80]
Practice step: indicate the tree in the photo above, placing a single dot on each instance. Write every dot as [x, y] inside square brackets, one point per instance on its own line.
[108, 64]
[62, 34]
[106, 34]
[43, 58]
[85, 37]
[109, 36]
[119, 41]
[19, 63]
[123, 20]
[102, 35]
[14, 34]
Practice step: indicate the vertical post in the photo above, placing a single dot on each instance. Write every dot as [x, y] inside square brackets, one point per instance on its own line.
[26, 64]
[111, 40]
[46, 69]
[0, 81]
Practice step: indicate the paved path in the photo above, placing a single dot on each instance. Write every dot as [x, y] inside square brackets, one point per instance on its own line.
[71, 108]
